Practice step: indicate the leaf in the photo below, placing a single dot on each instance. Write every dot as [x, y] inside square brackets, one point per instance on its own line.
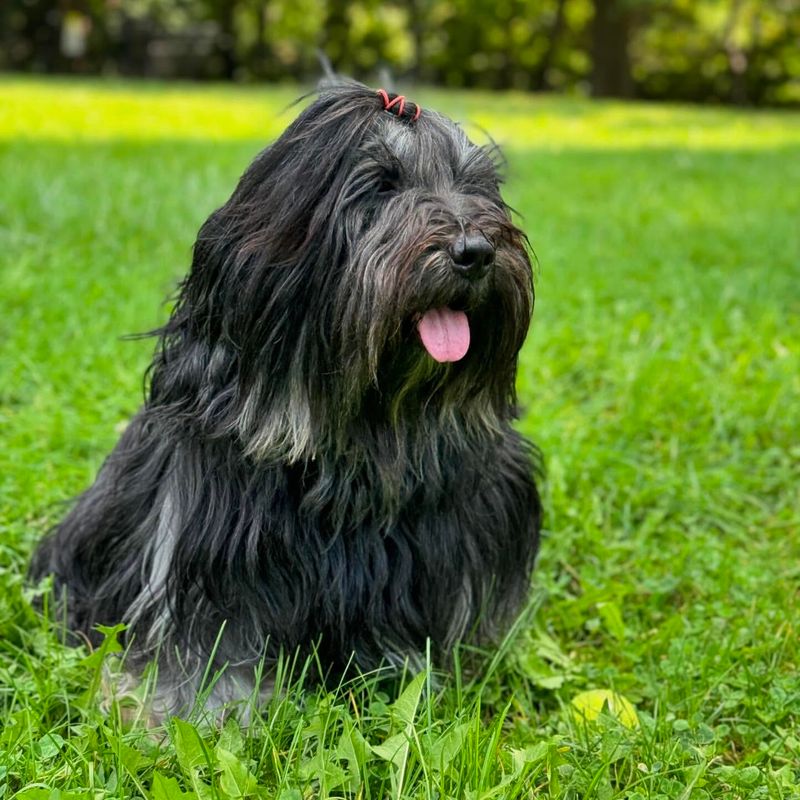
[94, 662]
[547, 647]
[747, 776]
[533, 754]
[110, 644]
[447, 746]
[612, 617]
[14, 726]
[355, 750]
[321, 768]
[353, 746]
[236, 779]
[35, 794]
[133, 760]
[404, 710]
[394, 749]
[192, 754]
[553, 762]
[188, 746]
[231, 738]
[164, 788]
[540, 672]
[591, 704]
[49, 746]
[405, 707]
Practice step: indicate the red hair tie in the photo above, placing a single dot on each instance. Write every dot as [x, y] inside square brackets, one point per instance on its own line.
[396, 104]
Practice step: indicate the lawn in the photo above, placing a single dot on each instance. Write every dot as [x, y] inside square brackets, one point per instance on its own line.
[661, 379]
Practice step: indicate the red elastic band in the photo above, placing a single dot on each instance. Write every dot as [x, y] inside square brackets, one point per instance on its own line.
[385, 95]
[400, 102]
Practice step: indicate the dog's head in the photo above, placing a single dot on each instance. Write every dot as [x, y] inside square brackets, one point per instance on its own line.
[365, 266]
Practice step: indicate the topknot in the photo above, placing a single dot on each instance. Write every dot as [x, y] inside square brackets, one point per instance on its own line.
[398, 105]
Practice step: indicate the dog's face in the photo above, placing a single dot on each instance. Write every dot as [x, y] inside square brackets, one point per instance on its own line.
[366, 259]
[435, 262]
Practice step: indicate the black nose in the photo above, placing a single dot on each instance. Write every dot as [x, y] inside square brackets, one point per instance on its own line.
[472, 254]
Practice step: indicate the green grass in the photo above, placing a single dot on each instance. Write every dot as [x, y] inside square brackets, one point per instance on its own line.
[661, 379]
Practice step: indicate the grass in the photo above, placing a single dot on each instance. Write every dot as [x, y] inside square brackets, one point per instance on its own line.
[661, 379]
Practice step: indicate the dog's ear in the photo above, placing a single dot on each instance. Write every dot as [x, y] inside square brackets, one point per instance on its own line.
[261, 262]
[330, 78]
[262, 243]
[386, 80]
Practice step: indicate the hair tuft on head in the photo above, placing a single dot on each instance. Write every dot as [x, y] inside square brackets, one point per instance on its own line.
[398, 105]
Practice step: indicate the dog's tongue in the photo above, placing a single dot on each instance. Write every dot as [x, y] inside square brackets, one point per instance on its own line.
[445, 333]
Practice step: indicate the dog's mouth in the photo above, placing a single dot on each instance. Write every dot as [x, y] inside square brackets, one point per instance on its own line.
[444, 333]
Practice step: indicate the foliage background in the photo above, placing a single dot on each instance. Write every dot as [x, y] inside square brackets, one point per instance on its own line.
[739, 51]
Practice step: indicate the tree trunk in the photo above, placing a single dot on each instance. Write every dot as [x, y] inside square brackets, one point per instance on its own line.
[259, 55]
[226, 46]
[336, 36]
[737, 57]
[417, 8]
[755, 80]
[611, 66]
[540, 81]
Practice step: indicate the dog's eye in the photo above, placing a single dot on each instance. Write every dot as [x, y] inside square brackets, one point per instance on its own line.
[389, 183]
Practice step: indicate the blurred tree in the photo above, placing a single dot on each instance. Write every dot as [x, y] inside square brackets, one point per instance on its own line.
[553, 35]
[29, 36]
[336, 34]
[611, 65]
[737, 59]
[742, 51]
[720, 50]
[419, 15]
[259, 55]
[223, 12]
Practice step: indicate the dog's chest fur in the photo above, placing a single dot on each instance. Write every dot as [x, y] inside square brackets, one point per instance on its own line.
[369, 551]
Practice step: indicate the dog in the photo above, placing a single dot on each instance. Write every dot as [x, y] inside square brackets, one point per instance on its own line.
[325, 460]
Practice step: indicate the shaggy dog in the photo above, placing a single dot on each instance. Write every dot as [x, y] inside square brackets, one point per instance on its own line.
[325, 459]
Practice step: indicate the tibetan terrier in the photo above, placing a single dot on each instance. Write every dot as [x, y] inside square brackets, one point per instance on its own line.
[325, 460]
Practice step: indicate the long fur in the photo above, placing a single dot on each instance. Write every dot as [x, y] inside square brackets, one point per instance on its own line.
[302, 471]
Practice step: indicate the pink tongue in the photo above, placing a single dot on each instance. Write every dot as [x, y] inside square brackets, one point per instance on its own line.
[445, 333]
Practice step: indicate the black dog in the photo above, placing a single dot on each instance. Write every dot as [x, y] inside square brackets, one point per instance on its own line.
[325, 458]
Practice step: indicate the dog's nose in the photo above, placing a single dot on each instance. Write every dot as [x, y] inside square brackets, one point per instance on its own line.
[472, 255]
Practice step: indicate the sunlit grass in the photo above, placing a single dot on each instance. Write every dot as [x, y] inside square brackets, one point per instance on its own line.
[94, 111]
[661, 378]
